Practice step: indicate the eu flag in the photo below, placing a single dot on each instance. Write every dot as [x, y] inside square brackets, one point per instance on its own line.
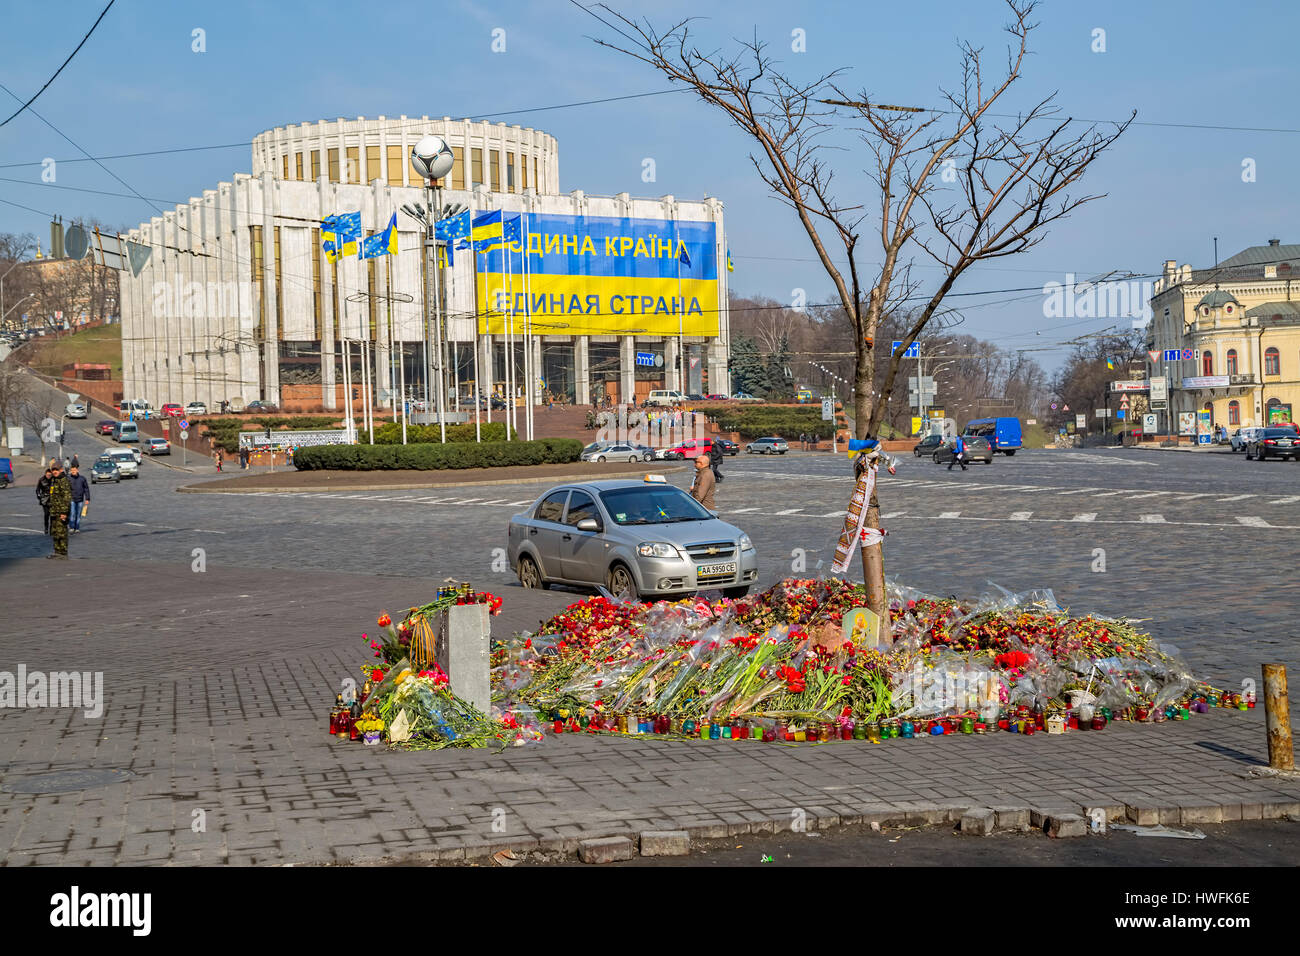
[683, 257]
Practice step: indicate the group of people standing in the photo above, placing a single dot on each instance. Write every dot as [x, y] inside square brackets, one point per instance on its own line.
[63, 498]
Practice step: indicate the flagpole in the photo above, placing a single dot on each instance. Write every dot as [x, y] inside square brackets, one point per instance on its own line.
[511, 379]
[401, 371]
[528, 331]
[681, 341]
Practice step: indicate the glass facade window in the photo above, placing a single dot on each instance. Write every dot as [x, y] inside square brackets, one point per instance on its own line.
[395, 165]
[1234, 412]
[334, 165]
[458, 171]
[354, 165]
[476, 167]
[372, 164]
[494, 169]
[510, 172]
[1232, 361]
[1207, 362]
[315, 165]
[298, 166]
[1272, 362]
[286, 166]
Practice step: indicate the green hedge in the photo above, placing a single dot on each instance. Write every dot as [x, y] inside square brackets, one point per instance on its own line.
[784, 421]
[436, 456]
[225, 431]
[390, 433]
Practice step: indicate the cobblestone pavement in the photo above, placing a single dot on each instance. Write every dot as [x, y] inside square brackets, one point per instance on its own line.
[218, 684]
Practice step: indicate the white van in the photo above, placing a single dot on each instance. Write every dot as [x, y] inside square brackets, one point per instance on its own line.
[125, 432]
[664, 396]
[124, 458]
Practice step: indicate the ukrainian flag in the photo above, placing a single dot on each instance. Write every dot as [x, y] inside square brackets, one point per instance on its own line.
[381, 243]
[1110, 364]
[495, 229]
[342, 235]
[731, 266]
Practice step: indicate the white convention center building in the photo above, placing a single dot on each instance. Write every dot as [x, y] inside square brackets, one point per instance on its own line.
[239, 301]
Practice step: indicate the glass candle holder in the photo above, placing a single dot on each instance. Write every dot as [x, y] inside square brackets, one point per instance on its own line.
[715, 731]
[968, 725]
[907, 729]
[688, 725]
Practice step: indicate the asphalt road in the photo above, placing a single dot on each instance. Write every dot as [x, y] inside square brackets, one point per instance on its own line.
[1198, 545]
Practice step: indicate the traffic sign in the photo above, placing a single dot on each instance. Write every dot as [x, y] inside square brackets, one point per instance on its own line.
[1081, 421]
[1122, 413]
[184, 423]
[184, 434]
[913, 351]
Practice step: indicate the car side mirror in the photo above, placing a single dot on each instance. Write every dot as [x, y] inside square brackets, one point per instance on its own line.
[588, 524]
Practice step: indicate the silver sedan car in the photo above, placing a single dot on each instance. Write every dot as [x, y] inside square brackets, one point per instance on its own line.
[646, 537]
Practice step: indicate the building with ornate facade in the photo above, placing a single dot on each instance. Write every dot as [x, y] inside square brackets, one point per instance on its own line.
[1237, 329]
[238, 301]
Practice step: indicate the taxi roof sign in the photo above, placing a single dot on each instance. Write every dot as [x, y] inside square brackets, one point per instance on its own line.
[660, 479]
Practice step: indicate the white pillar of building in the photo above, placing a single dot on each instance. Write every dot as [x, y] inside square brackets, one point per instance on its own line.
[627, 368]
[271, 331]
[328, 387]
[582, 370]
[672, 367]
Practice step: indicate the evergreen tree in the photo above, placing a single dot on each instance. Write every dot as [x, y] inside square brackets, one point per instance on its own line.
[748, 373]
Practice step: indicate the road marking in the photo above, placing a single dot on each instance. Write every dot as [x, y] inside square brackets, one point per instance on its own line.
[135, 524]
[494, 501]
[836, 514]
[1086, 516]
[22, 530]
[892, 514]
[1076, 491]
[950, 514]
[1250, 521]
[1021, 515]
[1148, 494]
[526, 501]
[1200, 494]
[1287, 500]
[790, 511]
[206, 531]
[1152, 519]
[741, 511]
[1107, 494]
[1235, 498]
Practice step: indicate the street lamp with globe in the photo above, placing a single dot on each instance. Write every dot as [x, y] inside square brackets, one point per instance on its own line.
[433, 159]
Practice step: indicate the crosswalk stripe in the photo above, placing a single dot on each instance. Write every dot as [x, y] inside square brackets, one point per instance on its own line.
[741, 511]
[1199, 494]
[1152, 519]
[1076, 491]
[1147, 494]
[790, 511]
[892, 514]
[1251, 521]
[1236, 498]
[1287, 500]
[950, 514]
[1021, 515]
[1107, 494]
[837, 514]
[1086, 516]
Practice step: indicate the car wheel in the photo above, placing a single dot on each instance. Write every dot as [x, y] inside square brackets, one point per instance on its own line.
[619, 579]
[749, 451]
[530, 576]
[632, 459]
[736, 592]
[647, 457]
[936, 458]
[600, 458]
[1259, 455]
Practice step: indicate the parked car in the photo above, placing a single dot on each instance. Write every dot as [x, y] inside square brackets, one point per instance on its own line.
[686, 449]
[126, 462]
[665, 396]
[1242, 437]
[196, 408]
[619, 452]
[6, 473]
[105, 469]
[171, 410]
[745, 397]
[75, 410]
[927, 446]
[729, 447]
[157, 446]
[105, 426]
[767, 446]
[977, 449]
[261, 407]
[715, 397]
[1276, 441]
[646, 537]
[694, 397]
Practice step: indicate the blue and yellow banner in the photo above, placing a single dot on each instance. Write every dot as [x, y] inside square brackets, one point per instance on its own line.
[592, 275]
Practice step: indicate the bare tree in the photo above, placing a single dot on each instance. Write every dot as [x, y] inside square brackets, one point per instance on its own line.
[13, 383]
[955, 187]
[38, 411]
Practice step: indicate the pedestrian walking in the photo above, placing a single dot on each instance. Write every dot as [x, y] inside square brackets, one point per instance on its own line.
[715, 453]
[958, 454]
[75, 463]
[703, 485]
[43, 496]
[216, 459]
[60, 503]
[80, 489]
[243, 459]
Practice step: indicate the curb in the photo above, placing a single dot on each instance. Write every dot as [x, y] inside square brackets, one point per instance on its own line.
[405, 486]
[1058, 821]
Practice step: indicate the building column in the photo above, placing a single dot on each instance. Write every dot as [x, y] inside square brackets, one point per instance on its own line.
[672, 372]
[271, 329]
[582, 370]
[535, 389]
[485, 369]
[627, 369]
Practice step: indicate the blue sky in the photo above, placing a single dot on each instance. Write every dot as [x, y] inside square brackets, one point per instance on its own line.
[138, 86]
